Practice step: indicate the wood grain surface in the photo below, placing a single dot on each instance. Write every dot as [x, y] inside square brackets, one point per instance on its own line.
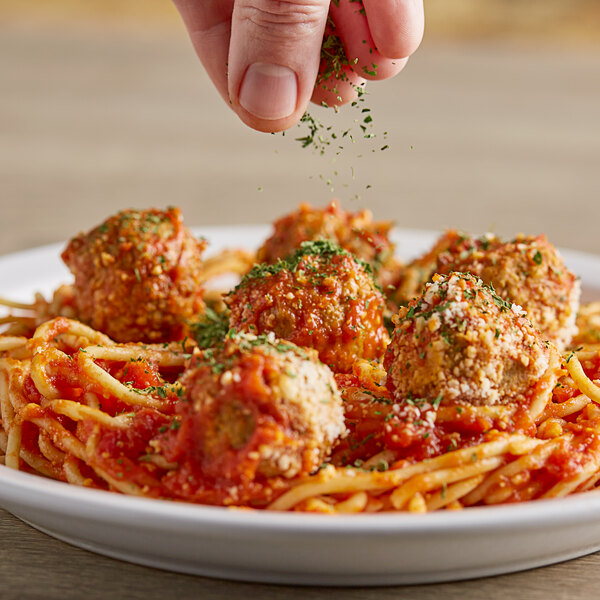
[482, 136]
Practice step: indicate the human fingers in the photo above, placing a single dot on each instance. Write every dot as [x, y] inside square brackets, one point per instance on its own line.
[337, 91]
[274, 59]
[353, 28]
[337, 83]
[209, 26]
[396, 25]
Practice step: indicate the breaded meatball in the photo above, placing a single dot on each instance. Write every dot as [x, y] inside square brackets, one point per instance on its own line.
[446, 251]
[355, 232]
[528, 271]
[254, 408]
[138, 276]
[320, 298]
[461, 341]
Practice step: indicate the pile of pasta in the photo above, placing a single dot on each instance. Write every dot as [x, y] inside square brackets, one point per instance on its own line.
[559, 455]
[72, 399]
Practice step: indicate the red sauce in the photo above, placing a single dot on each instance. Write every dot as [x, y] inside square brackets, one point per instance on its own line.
[327, 303]
[377, 422]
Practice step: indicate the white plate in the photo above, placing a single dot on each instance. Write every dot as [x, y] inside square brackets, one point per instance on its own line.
[294, 548]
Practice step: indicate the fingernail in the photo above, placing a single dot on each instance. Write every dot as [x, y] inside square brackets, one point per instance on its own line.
[269, 91]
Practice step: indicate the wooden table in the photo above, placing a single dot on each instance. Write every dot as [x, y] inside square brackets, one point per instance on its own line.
[482, 136]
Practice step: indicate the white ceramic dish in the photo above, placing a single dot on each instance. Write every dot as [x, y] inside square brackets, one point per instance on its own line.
[296, 548]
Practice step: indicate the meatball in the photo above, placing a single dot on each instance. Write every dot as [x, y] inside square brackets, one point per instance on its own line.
[355, 232]
[461, 341]
[446, 251]
[254, 408]
[137, 276]
[528, 271]
[321, 298]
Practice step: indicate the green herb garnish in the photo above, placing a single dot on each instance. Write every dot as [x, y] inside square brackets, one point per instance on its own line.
[211, 329]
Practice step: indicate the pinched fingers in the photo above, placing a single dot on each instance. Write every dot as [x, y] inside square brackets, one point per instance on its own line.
[263, 55]
[379, 36]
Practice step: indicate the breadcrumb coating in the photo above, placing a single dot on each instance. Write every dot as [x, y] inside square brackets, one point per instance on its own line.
[260, 407]
[461, 341]
[137, 276]
[320, 298]
[528, 271]
[356, 232]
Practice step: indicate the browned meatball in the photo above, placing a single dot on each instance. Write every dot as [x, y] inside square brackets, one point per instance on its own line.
[461, 341]
[445, 252]
[355, 232]
[254, 408]
[320, 298]
[137, 276]
[528, 271]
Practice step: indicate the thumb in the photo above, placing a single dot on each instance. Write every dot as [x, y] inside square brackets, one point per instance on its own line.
[274, 59]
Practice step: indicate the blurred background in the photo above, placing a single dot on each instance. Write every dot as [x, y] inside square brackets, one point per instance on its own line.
[493, 125]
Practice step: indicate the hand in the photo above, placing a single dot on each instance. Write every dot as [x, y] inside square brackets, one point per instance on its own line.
[264, 55]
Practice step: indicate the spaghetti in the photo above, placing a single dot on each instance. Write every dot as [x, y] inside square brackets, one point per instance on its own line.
[255, 421]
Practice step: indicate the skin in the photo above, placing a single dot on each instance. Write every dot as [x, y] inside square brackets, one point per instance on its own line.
[232, 35]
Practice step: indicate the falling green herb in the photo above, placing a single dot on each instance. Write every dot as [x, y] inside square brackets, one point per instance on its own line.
[322, 137]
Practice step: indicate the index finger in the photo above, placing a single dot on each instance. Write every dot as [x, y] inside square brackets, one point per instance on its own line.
[209, 26]
[396, 25]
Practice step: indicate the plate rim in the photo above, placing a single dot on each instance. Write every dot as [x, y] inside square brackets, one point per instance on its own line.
[37, 490]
